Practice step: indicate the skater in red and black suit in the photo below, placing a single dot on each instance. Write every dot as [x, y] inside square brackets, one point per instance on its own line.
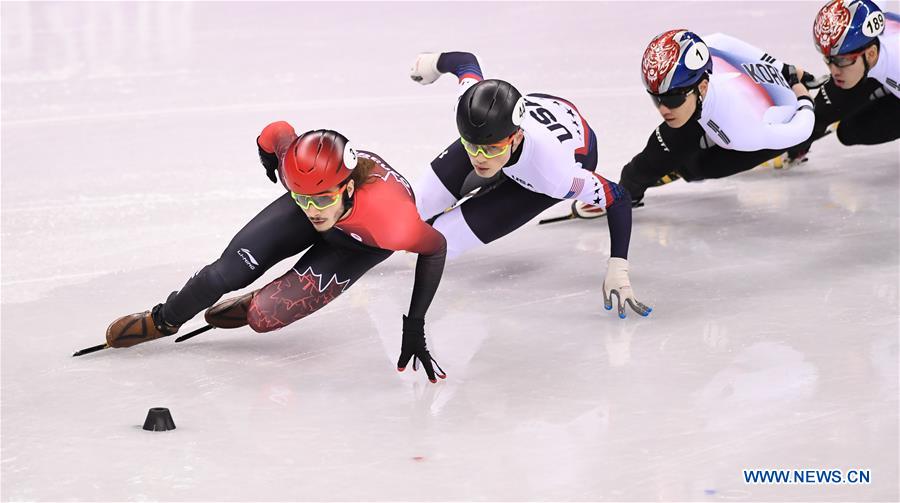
[348, 209]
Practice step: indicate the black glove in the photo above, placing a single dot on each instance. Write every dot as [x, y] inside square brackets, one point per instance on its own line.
[810, 81]
[414, 348]
[269, 161]
[790, 74]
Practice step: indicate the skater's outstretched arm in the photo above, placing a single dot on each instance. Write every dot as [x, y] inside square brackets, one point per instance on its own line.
[429, 66]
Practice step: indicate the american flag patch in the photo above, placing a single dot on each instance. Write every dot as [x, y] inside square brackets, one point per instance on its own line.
[575, 189]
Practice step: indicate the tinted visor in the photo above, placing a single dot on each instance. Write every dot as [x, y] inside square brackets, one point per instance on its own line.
[320, 201]
[488, 151]
[843, 60]
[671, 99]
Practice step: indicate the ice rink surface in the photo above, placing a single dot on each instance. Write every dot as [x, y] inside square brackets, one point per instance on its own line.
[128, 162]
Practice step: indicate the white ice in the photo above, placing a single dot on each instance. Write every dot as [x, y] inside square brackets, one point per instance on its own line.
[128, 162]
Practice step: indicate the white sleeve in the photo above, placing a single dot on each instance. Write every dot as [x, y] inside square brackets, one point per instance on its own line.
[737, 120]
[739, 49]
[775, 135]
[432, 197]
[732, 132]
[793, 132]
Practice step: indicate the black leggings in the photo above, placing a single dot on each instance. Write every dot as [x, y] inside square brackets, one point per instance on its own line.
[876, 122]
[717, 162]
[868, 113]
[332, 264]
[678, 149]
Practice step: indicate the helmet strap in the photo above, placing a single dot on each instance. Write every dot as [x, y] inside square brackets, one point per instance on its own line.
[517, 153]
[699, 109]
[513, 145]
[866, 61]
[700, 96]
[346, 198]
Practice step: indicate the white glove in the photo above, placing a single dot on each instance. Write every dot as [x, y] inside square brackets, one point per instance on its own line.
[617, 283]
[424, 70]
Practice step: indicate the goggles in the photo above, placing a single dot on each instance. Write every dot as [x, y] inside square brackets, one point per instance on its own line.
[320, 201]
[843, 60]
[488, 151]
[671, 99]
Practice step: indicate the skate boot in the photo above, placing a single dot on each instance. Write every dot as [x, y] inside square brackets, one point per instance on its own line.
[230, 313]
[137, 328]
[794, 159]
[790, 159]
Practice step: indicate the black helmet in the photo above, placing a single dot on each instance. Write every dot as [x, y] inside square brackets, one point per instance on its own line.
[489, 111]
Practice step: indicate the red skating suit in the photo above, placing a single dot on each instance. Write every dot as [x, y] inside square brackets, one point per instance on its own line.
[382, 219]
[384, 213]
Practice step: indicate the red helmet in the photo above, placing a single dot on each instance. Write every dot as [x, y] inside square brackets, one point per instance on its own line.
[316, 161]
